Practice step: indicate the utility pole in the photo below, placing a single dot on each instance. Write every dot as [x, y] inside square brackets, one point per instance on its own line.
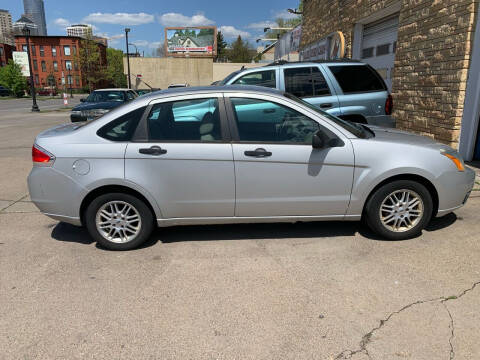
[127, 30]
[26, 32]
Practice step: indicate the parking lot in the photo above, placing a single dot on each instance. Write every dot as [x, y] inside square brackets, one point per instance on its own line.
[265, 291]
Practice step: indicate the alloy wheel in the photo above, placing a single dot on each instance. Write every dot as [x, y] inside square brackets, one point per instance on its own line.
[401, 211]
[118, 221]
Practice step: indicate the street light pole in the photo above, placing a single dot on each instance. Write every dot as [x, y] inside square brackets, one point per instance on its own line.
[127, 30]
[70, 80]
[26, 32]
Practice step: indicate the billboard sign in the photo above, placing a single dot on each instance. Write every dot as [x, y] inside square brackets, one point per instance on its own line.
[21, 58]
[288, 45]
[329, 48]
[191, 41]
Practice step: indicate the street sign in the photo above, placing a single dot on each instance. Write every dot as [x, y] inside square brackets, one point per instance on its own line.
[139, 75]
[21, 58]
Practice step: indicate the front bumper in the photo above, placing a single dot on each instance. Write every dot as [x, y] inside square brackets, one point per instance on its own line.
[454, 188]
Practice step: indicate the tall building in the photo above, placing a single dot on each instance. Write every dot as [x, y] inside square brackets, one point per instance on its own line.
[6, 31]
[80, 30]
[35, 11]
[24, 22]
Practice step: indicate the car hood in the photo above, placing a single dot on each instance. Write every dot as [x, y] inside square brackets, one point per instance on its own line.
[400, 136]
[97, 105]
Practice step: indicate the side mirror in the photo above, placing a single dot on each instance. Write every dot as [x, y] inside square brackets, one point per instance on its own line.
[317, 142]
[82, 99]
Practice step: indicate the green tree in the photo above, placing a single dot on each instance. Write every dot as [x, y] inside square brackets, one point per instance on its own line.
[240, 51]
[89, 58]
[285, 23]
[221, 46]
[114, 72]
[11, 77]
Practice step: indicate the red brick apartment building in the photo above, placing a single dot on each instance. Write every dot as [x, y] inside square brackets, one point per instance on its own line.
[5, 53]
[53, 56]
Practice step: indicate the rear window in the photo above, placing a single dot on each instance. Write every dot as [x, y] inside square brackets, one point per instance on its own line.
[357, 78]
[122, 129]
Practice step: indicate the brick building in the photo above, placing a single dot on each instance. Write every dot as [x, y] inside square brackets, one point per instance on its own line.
[5, 53]
[428, 51]
[53, 56]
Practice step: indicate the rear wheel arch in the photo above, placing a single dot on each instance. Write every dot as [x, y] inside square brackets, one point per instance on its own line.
[112, 189]
[412, 177]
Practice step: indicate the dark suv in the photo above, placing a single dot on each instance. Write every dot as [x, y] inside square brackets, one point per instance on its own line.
[348, 89]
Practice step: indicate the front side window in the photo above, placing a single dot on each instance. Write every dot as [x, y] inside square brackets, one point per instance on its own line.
[265, 121]
[357, 78]
[260, 78]
[130, 95]
[66, 50]
[123, 128]
[42, 50]
[185, 120]
[305, 82]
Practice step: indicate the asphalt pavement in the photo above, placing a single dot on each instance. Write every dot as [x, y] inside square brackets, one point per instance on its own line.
[326, 290]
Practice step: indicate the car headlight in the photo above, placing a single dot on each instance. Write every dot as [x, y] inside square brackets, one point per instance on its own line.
[95, 113]
[455, 158]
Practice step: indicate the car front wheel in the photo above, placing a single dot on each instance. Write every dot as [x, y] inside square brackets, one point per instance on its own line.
[399, 210]
[119, 221]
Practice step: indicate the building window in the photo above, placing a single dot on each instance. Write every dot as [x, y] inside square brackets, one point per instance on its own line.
[74, 48]
[394, 47]
[36, 79]
[1, 51]
[383, 49]
[35, 65]
[54, 51]
[24, 48]
[75, 65]
[42, 50]
[44, 66]
[77, 81]
[33, 50]
[55, 66]
[68, 65]
[367, 53]
[66, 50]
[70, 79]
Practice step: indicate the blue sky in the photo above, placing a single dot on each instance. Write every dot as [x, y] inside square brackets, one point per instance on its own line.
[147, 18]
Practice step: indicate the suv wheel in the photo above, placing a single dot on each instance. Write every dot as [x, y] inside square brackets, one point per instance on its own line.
[399, 210]
[119, 221]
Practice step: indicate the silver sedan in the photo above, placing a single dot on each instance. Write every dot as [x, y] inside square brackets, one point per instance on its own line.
[218, 155]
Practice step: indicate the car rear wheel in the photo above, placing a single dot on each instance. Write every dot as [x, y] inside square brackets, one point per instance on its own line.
[119, 221]
[399, 210]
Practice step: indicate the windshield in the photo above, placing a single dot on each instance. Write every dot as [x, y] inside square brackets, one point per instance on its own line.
[229, 77]
[356, 129]
[105, 96]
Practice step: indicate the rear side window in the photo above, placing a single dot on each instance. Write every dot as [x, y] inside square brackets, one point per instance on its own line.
[260, 78]
[305, 82]
[123, 128]
[357, 78]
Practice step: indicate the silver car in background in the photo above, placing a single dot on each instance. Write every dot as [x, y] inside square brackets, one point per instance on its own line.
[238, 154]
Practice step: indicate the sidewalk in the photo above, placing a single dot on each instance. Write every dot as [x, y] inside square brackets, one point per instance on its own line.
[475, 166]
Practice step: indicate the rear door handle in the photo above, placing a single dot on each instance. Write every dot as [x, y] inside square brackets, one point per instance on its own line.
[153, 150]
[259, 153]
[326, 106]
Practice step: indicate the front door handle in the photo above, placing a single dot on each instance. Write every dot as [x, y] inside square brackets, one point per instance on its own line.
[153, 150]
[259, 153]
[326, 106]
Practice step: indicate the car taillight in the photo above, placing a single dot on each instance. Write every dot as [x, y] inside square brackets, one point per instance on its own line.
[389, 105]
[41, 156]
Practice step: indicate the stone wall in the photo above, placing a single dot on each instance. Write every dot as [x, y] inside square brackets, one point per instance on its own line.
[432, 57]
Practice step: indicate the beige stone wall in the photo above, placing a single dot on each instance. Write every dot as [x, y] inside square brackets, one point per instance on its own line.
[161, 72]
[432, 58]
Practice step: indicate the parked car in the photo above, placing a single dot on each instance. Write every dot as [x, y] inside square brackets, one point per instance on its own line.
[100, 102]
[173, 86]
[348, 89]
[47, 92]
[141, 92]
[238, 154]
[4, 91]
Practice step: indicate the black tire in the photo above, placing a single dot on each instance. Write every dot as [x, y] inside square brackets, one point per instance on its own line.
[372, 215]
[146, 225]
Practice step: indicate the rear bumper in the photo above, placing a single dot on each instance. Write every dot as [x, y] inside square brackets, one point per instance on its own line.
[454, 188]
[381, 120]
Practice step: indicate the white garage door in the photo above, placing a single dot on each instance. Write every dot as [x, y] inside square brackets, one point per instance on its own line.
[379, 43]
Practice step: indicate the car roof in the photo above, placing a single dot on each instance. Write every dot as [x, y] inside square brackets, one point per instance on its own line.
[210, 89]
[113, 89]
[332, 61]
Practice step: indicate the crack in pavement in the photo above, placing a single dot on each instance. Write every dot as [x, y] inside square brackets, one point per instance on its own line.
[17, 201]
[367, 338]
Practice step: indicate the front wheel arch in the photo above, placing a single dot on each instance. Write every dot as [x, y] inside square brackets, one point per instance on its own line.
[111, 189]
[412, 177]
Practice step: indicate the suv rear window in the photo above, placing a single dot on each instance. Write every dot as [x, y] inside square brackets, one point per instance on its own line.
[357, 78]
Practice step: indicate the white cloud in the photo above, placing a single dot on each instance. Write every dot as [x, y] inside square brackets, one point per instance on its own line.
[155, 44]
[262, 25]
[115, 37]
[283, 14]
[140, 42]
[232, 32]
[61, 22]
[120, 18]
[176, 19]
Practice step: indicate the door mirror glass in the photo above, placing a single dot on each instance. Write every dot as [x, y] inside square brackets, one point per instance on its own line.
[317, 141]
